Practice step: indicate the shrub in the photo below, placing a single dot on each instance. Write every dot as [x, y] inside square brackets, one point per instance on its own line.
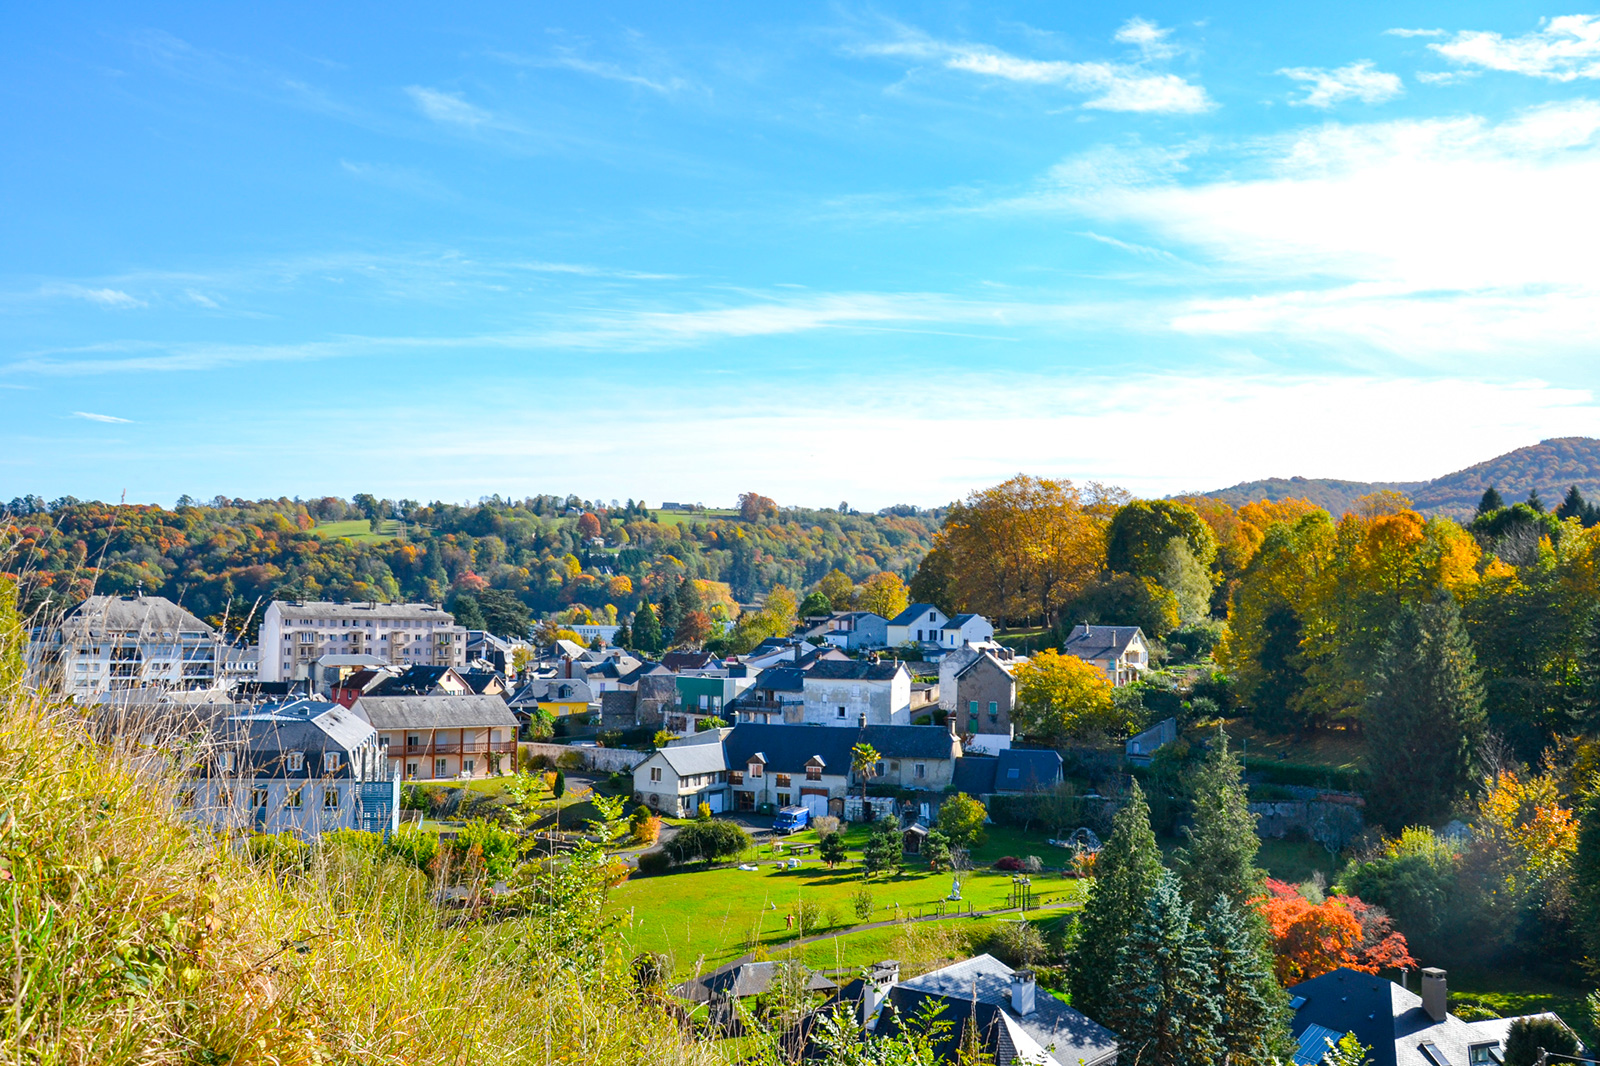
[825, 825]
[1010, 864]
[1033, 864]
[648, 831]
[703, 812]
[1017, 944]
[961, 820]
[280, 851]
[414, 847]
[481, 849]
[861, 903]
[654, 862]
[707, 841]
[570, 760]
[832, 849]
[1528, 1036]
[808, 916]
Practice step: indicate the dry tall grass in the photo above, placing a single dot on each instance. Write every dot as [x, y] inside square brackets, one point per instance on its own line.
[132, 938]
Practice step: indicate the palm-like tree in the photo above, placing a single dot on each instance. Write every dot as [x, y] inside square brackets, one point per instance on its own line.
[864, 764]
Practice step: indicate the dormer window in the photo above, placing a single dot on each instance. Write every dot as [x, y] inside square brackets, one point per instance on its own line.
[330, 762]
[296, 761]
[1484, 1055]
[754, 769]
[225, 761]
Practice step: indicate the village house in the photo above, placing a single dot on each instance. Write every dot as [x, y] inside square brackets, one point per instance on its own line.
[964, 629]
[1400, 1027]
[305, 767]
[918, 624]
[852, 630]
[977, 687]
[559, 697]
[702, 697]
[676, 779]
[1012, 771]
[1119, 651]
[433, 738]
[840, 692]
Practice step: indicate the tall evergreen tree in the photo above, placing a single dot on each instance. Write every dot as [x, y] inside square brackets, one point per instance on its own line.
[671, 614]
[1125, 874]
[1573, 506]
[1220, 856]
[1586, 874]
[1491, 501]
[1534, 501]
[1253, 1026]
[1161, 993]
[1424, 718]
[646, 629]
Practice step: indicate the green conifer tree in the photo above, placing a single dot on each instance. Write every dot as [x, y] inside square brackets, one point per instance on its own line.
[646, 629]
[1424, 718]
[1161, 993]
[1253, 1026]
[1491, 501]
[1220, 856]
[1126, 872]
[1586, 876]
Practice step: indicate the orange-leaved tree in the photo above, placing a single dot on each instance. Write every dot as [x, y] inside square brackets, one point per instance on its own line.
[1310, 939]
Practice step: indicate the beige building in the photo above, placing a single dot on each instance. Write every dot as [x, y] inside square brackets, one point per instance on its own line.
[432, 738]
[295, 635]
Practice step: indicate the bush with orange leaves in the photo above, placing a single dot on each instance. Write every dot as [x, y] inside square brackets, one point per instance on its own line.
[1310, 939]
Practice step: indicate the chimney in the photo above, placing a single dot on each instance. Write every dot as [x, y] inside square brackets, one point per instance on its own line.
[861, 719]
[950, 720]
[797, 651]
[880, 979]
[1022, 991]
[1435, 995]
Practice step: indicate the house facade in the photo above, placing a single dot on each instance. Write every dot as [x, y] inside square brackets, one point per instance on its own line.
[920, 623]
[295, 635]
[701, 697]
[676, 779]
[433, 738]
[111, 644]
[559, 697]
[844, 693]
[1120, 652]
[965, 629]
[853, 630]
[977, 689]
[304, 767]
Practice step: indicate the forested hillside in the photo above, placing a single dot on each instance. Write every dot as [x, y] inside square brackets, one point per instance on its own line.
[552, 553]
[1550, 467]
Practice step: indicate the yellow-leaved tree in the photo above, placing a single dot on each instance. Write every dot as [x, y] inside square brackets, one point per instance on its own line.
[1062, 698]
[883, 594]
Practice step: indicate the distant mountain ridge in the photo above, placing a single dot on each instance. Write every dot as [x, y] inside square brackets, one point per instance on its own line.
[1551, 466]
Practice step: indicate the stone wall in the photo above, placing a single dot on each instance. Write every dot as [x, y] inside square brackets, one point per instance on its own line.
[602, 760]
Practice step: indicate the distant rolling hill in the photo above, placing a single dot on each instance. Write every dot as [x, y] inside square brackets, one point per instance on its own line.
[1551, 466]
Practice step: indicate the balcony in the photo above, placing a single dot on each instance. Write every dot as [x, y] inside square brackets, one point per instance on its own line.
[452, 747]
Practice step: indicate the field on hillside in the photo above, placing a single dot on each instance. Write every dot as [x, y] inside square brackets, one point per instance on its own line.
[677, 518]
[359, 529]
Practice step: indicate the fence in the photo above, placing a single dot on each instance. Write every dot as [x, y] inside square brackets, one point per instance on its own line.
[605, 760]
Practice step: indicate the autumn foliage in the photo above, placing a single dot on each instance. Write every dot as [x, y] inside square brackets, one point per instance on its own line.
[1310, 939]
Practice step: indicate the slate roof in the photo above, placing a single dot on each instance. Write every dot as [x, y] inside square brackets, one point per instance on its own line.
[435, 712]
[960, 620]
[1027, 770]
[678, 661]
[747, 979]
[854, 670]
[328, 609]
[148, 615]
[539, 689]
[979, 990]
[479, 680]
[642, 670]
[687, 759]
[412, 681]
[1388, 1019]
[1100, 642]
[787, 748]
[781, 679]
[974, 774]
[311, 727]
[986, 656]
[909, 616]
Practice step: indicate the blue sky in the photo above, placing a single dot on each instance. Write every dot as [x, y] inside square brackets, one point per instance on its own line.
[880, 253]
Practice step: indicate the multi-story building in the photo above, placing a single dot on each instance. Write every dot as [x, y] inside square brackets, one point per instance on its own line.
[295, 635]
[442, 737]
[840, 693]
[111, 644]
[301, 766]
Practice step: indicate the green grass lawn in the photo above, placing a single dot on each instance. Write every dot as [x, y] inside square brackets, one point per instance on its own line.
[677, 518]
[704, 918]
[358, 529]
[1508, 993]
[1340, 749]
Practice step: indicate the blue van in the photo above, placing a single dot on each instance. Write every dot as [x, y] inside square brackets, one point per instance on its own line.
[791, 820]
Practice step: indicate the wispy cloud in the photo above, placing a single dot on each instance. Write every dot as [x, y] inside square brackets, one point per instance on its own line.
[92, 417]
[1446, 77]
[1112, 86]
[585, 270]
[1358, 81]
[1400, 32]
[105, 297]
[1128, 246]
[448, 108]
[568, 59]
[201, 298]
[1561, 49]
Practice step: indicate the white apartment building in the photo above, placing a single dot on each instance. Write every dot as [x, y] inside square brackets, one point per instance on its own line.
[295, 635]
[111, 644]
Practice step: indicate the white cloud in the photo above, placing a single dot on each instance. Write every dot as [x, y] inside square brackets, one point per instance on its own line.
[1429, 239]
[1113, 86]
[1446, 77]
[448, 108]
[201, 298]
[1414, 33]
[612, 72]
[1148, 37]
[1562, 49]
[91, 416]
[1358, 81]
[105, 297]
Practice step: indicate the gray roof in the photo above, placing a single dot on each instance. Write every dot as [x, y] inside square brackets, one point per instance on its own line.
[854, 670]
[687, 759]
[435, 712]
[787, 748]
[326, 609]
[974, 774]
[1027, 770]
[1388, 1019]
[909, 616]
[149, 615]
[746, 979]
[979, 990]
[960, 620]
[781, 679]
[980, 659]
[540, 688]
[1100, 642]
[311, 727]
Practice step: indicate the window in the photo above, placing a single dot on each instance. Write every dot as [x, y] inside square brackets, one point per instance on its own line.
[783, 780]
[440, 767]
[413, 740]
[225, 761]
[258, 798]
[755, 769]
[972, 724]
[293, 799]
[972, 708]
[919, 770]
[297, 761]
[1432, 1053]
[330, 799]
[813, 773]
[994, 710]
[931, 616]
[469, 766]
[841, 712]
[877, 771]
[655, 773]
[735, 777]
[1484, 1055]
[1013, 773]
[411, 769]
[783, 799]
